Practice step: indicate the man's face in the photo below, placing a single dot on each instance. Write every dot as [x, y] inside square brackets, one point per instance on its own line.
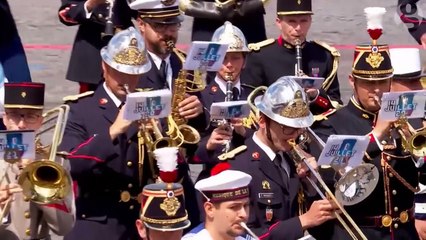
[227, 216]
[22, 119]
[368, 92]
[150, 234]
[401, 85]
[156, 35]
[280, 134]
[233, 63]
[294, 27]
[116, 80]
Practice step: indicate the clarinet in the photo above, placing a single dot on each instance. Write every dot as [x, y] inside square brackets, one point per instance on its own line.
[228, 98]
[299, 71]
[109, 25]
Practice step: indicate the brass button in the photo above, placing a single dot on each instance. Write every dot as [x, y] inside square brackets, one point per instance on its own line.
[83, 215]
[131, 207]
[269, 201]
[28, 232]
[130, 185]
[384, 142]
[395, 209]
[100, 15]
[129, 141]
[26, 199]
[395, 225]
[27, 214]
[390, 175]
[129, 163]
[388, 158]
[394, 192]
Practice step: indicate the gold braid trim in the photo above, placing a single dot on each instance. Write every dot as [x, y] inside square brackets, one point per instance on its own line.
[164, 222]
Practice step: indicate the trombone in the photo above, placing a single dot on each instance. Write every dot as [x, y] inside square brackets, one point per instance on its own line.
[299, 156]
[44, 180]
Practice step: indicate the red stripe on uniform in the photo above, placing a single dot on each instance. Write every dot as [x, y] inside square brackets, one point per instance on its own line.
[82, 145]
[87, 157]
[58, 206]
[264, 236]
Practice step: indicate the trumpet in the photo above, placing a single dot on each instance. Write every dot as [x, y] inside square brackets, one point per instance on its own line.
[299, 156]
[413, 142]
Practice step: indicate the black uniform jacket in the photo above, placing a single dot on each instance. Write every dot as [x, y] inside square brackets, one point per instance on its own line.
[103, 169]
[269, 194]
[85, 61]
[408, 11]
[272, 59]
[354, 120]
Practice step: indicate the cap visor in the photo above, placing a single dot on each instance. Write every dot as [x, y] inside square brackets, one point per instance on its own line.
[166, 20]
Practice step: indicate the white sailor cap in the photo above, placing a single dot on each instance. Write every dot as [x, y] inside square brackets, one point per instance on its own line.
[225, 186]
[406, 63]
[159, 11]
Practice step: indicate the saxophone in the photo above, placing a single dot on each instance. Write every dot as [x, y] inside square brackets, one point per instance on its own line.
[178, 127]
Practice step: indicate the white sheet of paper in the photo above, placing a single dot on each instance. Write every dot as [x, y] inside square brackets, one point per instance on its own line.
[206, 56]
[17, 144]
[229, 110]
[151, 104]
[309, 82]
[344, 150]
[394, 104]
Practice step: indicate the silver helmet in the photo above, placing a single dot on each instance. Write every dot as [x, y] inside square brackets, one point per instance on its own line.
[126, 52]
[286, 103]
[230, 34]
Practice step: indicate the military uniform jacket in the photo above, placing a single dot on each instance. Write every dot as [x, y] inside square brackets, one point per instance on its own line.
[272, 59]
[102, 169]
[358, 121]
[7, 23]
[85, 61]
[30, 220]
[273, 203]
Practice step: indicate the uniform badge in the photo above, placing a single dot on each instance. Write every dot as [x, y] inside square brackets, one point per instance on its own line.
[269, 214]
[170, 204]
[214, 89]
[255, 155]
[375, 58]
[103, 101]
[23, 94]
[364, 115]
[266, 185]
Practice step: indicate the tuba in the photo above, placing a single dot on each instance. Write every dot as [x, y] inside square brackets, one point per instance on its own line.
[45, 180]
[178, 126]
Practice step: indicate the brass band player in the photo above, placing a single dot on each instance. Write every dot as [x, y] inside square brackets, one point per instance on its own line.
[227, 82]
[103, 146]
[24, 104]
[388, 212]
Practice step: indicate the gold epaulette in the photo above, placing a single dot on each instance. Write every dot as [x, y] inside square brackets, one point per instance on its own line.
[324, 115]
[329, 48]
[72, 98]
[258, 45]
